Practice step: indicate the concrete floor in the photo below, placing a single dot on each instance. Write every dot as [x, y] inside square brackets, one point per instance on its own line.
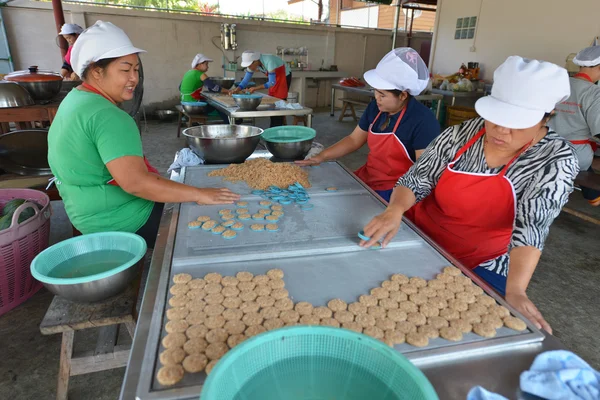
[564, 287]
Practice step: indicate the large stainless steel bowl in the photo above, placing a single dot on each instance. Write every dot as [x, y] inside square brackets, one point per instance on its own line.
[247, 102]
[223, 144]
[43, 90]
[25, 152]
[166, 115]
[14, 95]
[195, 108]
[225, 83]
[290, 151]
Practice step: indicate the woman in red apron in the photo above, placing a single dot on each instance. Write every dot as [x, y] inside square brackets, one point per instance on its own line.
[278, 73]
[396, 127]
[487, 191]
[95, 149]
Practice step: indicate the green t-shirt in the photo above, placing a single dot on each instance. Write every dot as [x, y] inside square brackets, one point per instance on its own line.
[87, 133]
[192, 81]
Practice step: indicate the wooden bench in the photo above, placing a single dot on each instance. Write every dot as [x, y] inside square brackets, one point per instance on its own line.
[590, 180]
[349, 104]
[66, 317]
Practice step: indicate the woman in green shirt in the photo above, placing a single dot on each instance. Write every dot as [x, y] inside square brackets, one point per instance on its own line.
[95, 150]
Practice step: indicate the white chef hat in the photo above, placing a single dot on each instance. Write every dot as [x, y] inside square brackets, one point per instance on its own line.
[98, 42]
[400, 69]
[523, 92]
[70, 29]
[589, 57]
[199, 59]
[249, 56]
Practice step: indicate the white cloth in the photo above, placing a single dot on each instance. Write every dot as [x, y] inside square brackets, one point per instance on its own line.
[589, 57]
[282, 104]
[199, 59]
[185, 158]
[100, 41]
[400, 69]
[315, 149]
[248, 57]
[524, 90]
[70, 29]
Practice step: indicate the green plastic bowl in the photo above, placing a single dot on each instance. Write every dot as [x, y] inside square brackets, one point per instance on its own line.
[288, 134]
[315, 363]
[90, 267]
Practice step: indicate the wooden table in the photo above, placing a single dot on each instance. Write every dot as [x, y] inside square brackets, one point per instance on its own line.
[23, 117]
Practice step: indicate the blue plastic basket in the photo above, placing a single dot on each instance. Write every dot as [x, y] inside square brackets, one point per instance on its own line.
[246, 96]
[194, 103]
[316, 363]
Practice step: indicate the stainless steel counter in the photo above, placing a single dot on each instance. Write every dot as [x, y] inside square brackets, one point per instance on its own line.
[322, 263]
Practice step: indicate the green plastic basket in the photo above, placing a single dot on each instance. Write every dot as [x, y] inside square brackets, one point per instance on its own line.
[88, 258]
[315, 363]
[288, 134]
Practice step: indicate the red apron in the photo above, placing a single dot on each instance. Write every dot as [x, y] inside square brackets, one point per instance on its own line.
[148, 166]
[469, 215]
[388, 159]
[280, 88]
[593, 144]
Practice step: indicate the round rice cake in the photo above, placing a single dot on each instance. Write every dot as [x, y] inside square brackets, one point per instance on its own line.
[214, 298]
[273, 323]
[417, 339]
[284, 304]
[368, 300]
[182, 278]
[322, 312]
[261, 279]
[230, 291]
[225, 211]
[380, 293]
[252, 318]
[406, 327]
[179, 289]
[429, 331]
[263, 290]
[396, 315]
[244, 276]
[234, 327]
[455, 287]
[195, 363]
[275, 273]
[446, 278]
[450, 314]
[255, 330]
[343, 316]
[227, 217]
[390, 285]
[197, 283]
[478, 308]
[499, 310]
[458, 305]
[408, 306]
[249, 307]
[195, 345]
[418, 298]
[473, 289]
[278, 214]
[279, 294]
[178, 301]
[353, 326]
[428, 292]
[196, 294]
[337, 305]
[429, 311]
[271, 227]
[233, 314]
[177, 313]
[212, 310]
[169, 375]
[374, 332]
[409, 288]
[492, 320]
[276, 207]
[276, 284]
[484, 330]
[451, 334]
[209, 367]
[209, 225]
[452, 271]
[365, 320]
[461, 325]
[257, 227]
[213, 287]
[203, 218]
[304, 308]
[309, 320]
[471, 317]
[388, 304]
[266, 301]
[196, 318]
[270, 312]
[376, 311]
[437, 302]
[445, 294]
[289, 316]
[234, 340]
[218, 230]
[385, 324]
[248, 296]
[398, 296]
[400, 278]
[357, 308]
[229, 223]
[393, 337]
[244, 286]
[230, 234]
[332, 322]
[176, 339]
[214, 322]
[463, 280]
[436, 284]
[514, 323]
[232, 302]
[418, 282]
[196, 331]
[194, 224]
[437, 322]
[229, 281]
[485, 300]
[176, 326]
[216, 350]
[416, 318]
[174, 355]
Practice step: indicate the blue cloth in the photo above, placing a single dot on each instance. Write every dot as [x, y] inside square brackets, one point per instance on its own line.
[247, 77]
[416, 130]
[385, 194]
[561, 375]
[479, 393]
[496, 281]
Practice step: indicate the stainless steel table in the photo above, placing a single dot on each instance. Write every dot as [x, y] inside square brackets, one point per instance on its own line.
[454, 95]
[368, 91]
[312, 247]
[263, 111]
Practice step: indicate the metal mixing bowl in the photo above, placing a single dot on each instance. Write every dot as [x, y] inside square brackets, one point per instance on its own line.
[42, 90]
[289, 142]
[247, 102]
[166, 115]
[194, 108]
[14, 95]
[290, 151]
[225, 83]
[223, 144]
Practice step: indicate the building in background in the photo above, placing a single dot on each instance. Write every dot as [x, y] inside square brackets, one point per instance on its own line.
[372, 15]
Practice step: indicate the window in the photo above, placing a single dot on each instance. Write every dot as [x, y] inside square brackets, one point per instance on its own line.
[465, 28]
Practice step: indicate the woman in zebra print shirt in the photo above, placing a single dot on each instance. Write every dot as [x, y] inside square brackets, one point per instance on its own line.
[488, 190]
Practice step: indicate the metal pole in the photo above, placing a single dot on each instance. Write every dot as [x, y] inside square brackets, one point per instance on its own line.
[396, 18]
[59, 20]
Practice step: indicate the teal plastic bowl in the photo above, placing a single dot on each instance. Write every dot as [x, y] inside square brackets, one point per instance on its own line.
[289, 142]
[315, 363]
[90, 268]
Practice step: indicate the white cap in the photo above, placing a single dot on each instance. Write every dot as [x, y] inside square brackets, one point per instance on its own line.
[249, 56]
[400, 69]
[70, 29]
[199, 59]
[589, 57]
[524, 90]
[98, 42]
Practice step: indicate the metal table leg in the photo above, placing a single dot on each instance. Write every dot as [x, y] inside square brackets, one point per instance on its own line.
[332, 101]
[439, 109]
[309, 120]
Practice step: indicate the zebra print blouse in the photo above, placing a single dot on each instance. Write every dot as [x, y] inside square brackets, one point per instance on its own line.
[542, 177]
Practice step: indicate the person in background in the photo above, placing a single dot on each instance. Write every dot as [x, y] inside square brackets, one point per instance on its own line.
[578, 118]
[195, 80]
[95, 148]
[70, 32]
[487, 191]
[396, 126]
[278, 72]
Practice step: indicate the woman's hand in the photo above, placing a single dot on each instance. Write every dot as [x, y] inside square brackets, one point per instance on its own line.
[233, 91]
[216, 196]
[521, 303]
[316, 160]
[384, 226]
[251, 90]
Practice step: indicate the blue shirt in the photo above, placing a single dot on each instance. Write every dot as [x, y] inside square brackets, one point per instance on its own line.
[416, 130]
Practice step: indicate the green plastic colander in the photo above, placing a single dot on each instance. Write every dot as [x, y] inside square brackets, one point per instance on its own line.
[315, 363]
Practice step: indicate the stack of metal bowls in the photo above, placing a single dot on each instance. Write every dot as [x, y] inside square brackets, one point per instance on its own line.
[223, 144]
[14, 95]
[247, 102]
[225, 83]
[194, 108]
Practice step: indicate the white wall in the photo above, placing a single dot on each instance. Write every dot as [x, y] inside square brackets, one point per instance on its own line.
[542, 29]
